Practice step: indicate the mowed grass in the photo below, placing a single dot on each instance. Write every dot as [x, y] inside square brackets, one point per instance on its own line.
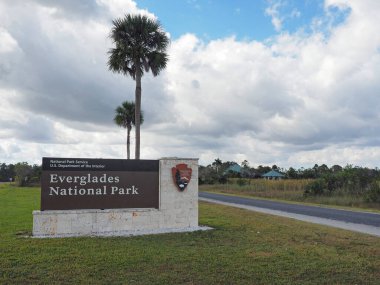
[244, 248]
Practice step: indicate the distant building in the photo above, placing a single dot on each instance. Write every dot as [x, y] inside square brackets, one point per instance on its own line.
[241, 171]
[273, 175]
[235, 168]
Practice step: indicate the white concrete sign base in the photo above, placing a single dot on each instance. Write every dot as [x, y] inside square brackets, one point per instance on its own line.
[178, 212]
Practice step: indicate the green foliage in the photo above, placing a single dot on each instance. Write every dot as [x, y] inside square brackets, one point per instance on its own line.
[317, 187]
[125, 117]
[350, 180]
[373, 194]
[242, 181]
[223, 179]
[291, 173]
[207, 175]
[23, 171]
[322, 181]
[263, 169]
[7, 172]
[140, 45]
[214, 173]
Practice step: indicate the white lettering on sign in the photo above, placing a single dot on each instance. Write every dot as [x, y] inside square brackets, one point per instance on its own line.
[77, 191]
[124, 191]
[83, 180]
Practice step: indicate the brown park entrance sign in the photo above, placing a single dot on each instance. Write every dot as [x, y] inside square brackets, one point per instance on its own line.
[83, 183]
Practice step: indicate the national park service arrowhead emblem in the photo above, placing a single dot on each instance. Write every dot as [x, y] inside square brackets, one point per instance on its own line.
[181, 176]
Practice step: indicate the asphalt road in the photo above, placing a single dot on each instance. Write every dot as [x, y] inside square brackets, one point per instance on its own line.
[363, 218]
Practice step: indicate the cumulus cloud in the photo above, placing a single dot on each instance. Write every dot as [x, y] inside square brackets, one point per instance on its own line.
[61, 70]
[53, 69]
[298, 93]
[295, 99]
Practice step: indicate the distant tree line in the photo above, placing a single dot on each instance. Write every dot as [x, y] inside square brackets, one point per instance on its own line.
[324, 180]
[21, 173]
[356, 181]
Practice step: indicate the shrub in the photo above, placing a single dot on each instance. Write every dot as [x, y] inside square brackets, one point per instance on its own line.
[373, 194]
[23, 171]
[317, 187]
[241, 182]
[223, 179]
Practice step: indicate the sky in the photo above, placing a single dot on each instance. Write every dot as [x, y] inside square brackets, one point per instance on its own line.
[285, 82]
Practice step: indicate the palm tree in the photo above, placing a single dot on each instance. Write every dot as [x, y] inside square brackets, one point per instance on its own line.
[125, 117]
[140, 46]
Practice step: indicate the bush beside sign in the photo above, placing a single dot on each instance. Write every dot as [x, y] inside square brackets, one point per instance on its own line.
[81, 183]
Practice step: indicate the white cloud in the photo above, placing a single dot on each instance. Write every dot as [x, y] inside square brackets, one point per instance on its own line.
[278, 16]
[118, 8]
[300, 93]
[7, 42]
[273, 12]
[294, 100]
[341, 4]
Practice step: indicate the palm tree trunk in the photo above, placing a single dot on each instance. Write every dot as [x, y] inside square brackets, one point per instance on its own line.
[137, 112]
[128, 143]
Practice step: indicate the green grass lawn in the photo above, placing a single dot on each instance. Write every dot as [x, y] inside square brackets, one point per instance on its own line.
[244, 248]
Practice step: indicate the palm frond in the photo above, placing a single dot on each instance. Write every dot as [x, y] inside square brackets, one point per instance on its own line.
[125, 115]
[140, 46]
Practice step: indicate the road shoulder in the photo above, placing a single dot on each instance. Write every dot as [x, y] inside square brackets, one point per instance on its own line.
[371, 230]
